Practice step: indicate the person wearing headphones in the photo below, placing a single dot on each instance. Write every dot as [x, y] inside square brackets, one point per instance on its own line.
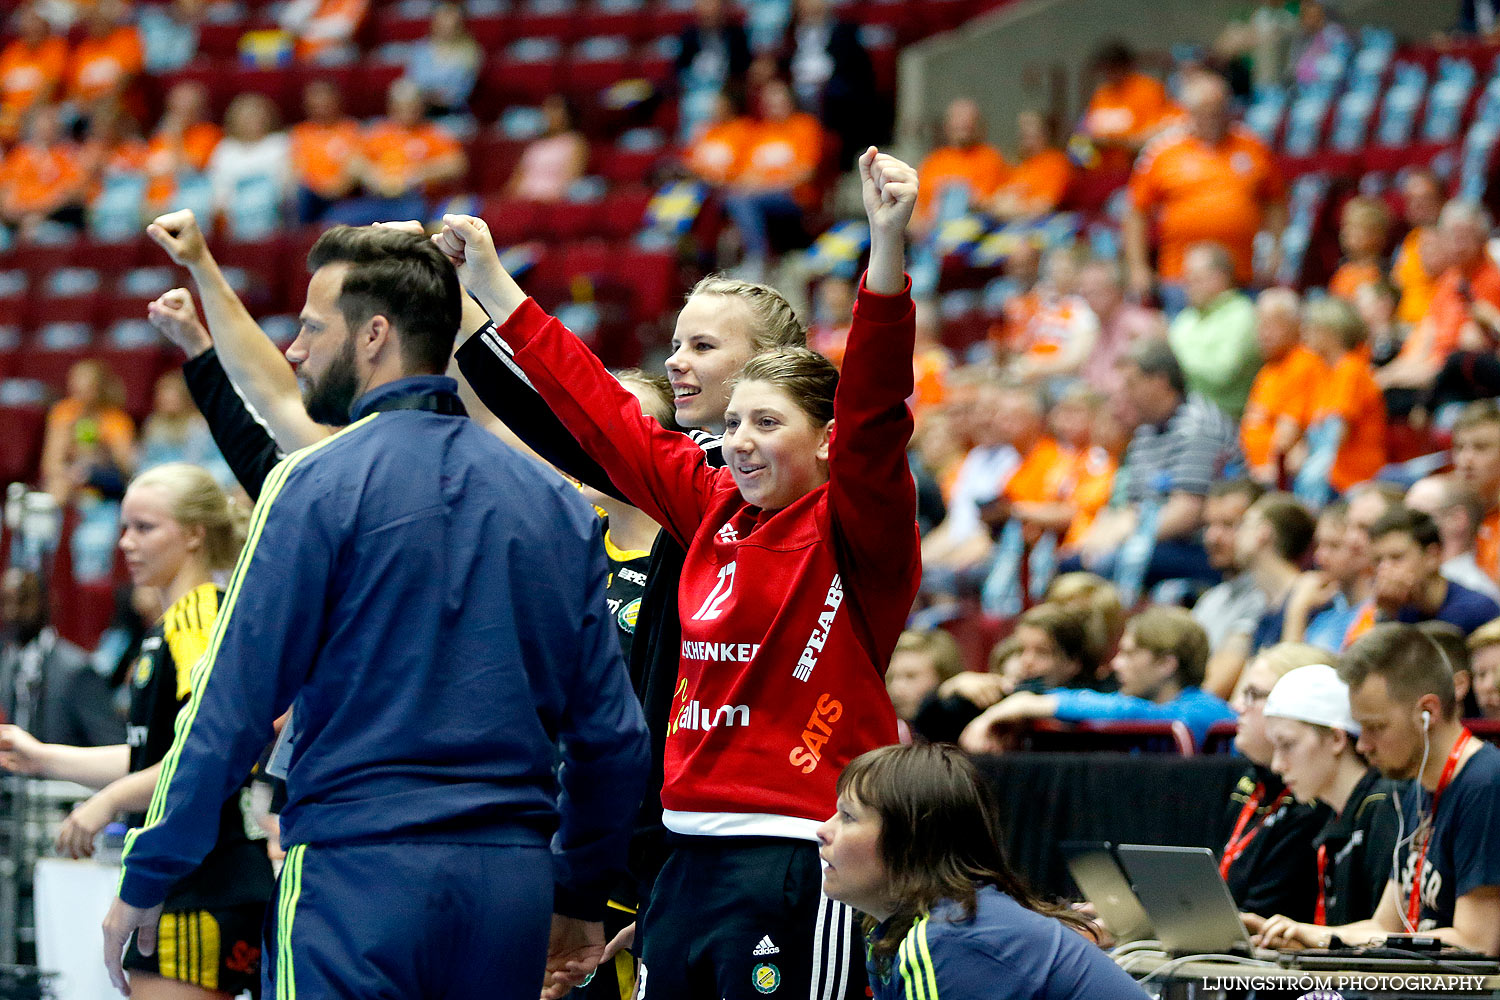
[1445, 871]
[1312, 736]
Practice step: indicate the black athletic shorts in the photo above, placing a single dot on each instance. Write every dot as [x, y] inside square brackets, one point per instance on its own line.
[214, 949]
[743, 918]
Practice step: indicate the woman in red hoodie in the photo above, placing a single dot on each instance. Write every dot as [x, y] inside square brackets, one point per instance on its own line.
[802, 565]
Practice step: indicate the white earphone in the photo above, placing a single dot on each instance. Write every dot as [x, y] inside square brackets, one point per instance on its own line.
[1426, 720]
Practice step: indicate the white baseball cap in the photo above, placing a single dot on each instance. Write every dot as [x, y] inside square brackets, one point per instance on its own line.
[1313, 694]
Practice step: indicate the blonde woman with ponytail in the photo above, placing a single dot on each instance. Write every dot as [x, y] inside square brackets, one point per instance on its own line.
[178, 528]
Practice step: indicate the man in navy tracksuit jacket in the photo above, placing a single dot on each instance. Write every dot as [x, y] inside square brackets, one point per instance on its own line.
[431, 604]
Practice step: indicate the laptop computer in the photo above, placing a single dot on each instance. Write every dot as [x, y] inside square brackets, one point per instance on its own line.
[1187, 900]
[1103, 883]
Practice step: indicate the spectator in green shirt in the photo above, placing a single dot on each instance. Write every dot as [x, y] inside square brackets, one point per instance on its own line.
[1214, 338]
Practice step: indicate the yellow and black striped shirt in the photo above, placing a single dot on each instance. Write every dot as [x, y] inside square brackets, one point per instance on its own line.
[237, 870]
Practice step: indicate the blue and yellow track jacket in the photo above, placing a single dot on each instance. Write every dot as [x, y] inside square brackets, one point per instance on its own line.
[431, 604]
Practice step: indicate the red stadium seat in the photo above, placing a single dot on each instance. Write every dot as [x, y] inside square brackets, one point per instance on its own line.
[492, 159]
[394, 26]
[583, 81]
[513, 221]
[519, 81]
[562, 24]
[113, 259]
[567, 220]
[373, 83]
[138, 369]
[220, 40]
[490, 32]
[15, 298]
[592, 259]
[21, 444]
[623, 166]
[653, 274]
[10, 351]
[623, 211]
[277, 84]
[1220, 738]
[50, 367]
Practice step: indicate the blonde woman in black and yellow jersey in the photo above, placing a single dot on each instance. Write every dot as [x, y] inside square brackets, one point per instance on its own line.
[177, 529]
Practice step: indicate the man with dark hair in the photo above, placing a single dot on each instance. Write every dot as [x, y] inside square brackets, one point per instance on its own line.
[47, 685]
[1273, 540]
[1446, 878]
[1228, 611]
[1409, 584]
[1182, 445]
[435, 608]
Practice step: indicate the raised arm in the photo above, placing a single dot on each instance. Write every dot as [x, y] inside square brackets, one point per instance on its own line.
[244, 442]
[253, 363]
[659, 471]
[871, 493]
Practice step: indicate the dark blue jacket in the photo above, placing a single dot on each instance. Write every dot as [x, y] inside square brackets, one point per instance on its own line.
[431, 604]
[1006, 952]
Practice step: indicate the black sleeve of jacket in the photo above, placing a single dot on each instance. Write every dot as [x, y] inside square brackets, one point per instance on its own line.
[245, 444]
[484, 360]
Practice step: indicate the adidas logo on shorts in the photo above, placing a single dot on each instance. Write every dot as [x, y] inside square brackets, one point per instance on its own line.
[766, 947]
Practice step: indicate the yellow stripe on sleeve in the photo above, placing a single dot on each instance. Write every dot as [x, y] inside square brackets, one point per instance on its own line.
[925, 959]
[270, 491]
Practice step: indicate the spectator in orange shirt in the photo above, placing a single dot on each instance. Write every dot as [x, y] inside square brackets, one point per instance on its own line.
[90, 441]
[777, 182]
[1210, 181]
[1127, 108]
[1065, 480]
[1037, 184]
[1346, 440]
[1468, 289]
[31, 68]
[42, 179]
[1419, 259]
[1364, 229]
[107, 59]
[1062, 332]
[401, 157]
[1062, 483]
[114, 146]
[183, 142]
[960, 174]
[324, 29]
[1285, 391]
[717, 155]
[551, 162]
[931, 363]
[324, 148]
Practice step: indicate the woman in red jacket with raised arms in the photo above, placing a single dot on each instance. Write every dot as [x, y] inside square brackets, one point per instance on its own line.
[802, 563]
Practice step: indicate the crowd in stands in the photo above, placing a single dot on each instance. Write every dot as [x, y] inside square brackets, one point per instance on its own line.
[1169, 469]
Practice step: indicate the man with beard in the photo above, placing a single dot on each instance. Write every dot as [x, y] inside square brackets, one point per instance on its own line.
[380, 590]
[1445, 879]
